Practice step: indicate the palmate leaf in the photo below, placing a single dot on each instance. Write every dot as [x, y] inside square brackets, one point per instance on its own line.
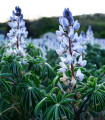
[47, 71]
[53, 90]
[96, 91]
[33, 51]
[39, 105]
[10, 64]
[97, 100]
[57, 107]
[30, 98]
[34, 64]
[37, 69]
[49, 114]
[55, 81]
[32, 77]
[4, 66]
[30, 94]
[41, 68]
[15, 67]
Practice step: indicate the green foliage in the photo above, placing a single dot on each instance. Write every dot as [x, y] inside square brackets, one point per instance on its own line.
[31, 89]
[95, 56]
[30, 95]
[58, 106]
[3, 108]
[96, 91]
[21, 83]
[47, 71]
[33, 51]
[10, 63]
[52, 57]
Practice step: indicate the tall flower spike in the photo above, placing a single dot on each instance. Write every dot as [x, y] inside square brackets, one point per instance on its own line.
[83, 41]
[18, 32]
[89, 34]
[70, 47]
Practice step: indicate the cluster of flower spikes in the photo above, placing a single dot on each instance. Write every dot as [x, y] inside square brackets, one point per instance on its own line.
[17, 34]
[70, 48]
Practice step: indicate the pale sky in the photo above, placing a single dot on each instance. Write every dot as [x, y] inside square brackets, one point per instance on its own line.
[34, 9]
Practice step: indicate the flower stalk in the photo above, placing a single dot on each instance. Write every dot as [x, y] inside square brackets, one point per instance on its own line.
[17, 34]
[72, 67]
[70, 48]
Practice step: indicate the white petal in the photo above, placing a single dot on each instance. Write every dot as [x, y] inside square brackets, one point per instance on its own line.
[79, 75]
[69, 58]
[61, 29]
[63, 59]
[60, 39]
[83, 63]
[64, 22]
[63, 65]
[65, 40]
[61, 48]
[63, 44]
[80, 59]
[76, 25]
[79, 50]
[59, 51]
[58, 33]
[62, 70]
[71, 33]
[76, 36]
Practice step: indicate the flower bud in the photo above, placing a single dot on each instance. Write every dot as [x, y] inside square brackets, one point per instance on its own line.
[73, 81]
[76, 25]
[71, 33]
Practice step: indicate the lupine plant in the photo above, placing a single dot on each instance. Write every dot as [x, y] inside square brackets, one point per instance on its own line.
[89, 34]
[17, 33]
[76, 92]
[24, 74]
[71, 46]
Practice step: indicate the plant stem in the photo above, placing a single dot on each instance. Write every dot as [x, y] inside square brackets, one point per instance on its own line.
[17, 38]
[77, 114]
[72, 67]
[83, 104]
[17, 43]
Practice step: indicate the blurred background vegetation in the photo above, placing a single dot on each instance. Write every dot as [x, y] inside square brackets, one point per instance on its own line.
[94, 55]
[38, 27]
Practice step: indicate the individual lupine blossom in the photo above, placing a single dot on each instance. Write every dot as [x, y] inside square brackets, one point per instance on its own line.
[70, 48]
[17, 34]
[89, 34]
